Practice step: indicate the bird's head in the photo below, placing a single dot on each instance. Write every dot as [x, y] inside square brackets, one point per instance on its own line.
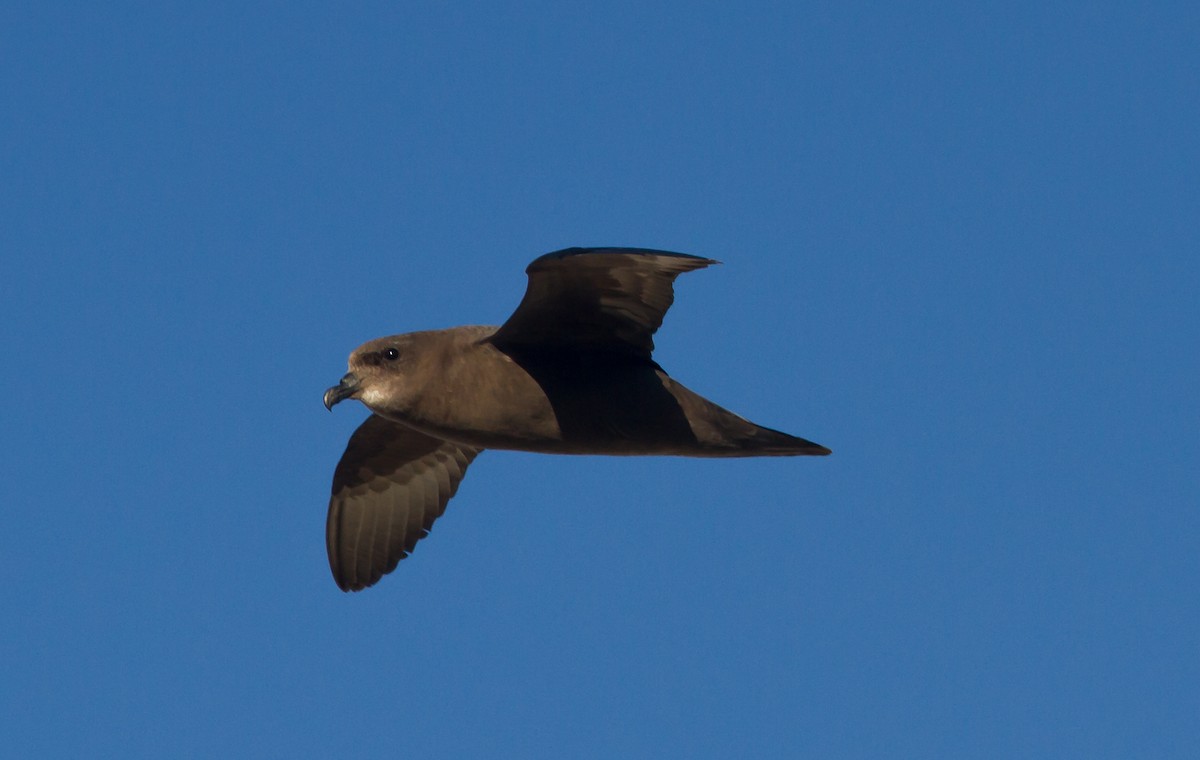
[376, 376]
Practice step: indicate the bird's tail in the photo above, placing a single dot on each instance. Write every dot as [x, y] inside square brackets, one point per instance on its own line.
[721, 433]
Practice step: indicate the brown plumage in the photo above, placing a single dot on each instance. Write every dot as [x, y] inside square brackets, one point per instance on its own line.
[569, 373]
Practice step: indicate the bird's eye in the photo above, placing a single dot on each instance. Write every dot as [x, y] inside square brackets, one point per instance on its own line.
[391, 354]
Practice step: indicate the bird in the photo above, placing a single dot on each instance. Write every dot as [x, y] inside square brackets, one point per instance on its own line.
[569, 372]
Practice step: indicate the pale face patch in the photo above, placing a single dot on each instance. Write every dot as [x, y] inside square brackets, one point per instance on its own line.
[374, 396]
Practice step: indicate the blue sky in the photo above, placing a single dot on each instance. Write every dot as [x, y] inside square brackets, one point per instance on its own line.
[960, 249]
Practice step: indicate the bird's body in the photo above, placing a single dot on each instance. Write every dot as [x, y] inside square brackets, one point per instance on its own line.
[559, 402]
[570, 372]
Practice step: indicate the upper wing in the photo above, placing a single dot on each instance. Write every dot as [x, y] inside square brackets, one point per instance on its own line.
[388, 488]
[609, 299]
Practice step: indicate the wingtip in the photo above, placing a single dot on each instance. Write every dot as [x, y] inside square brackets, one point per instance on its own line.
[700, 261]
[351, 584]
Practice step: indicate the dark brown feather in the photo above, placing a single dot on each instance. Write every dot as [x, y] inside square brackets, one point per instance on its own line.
[596, 299]
[390, 485]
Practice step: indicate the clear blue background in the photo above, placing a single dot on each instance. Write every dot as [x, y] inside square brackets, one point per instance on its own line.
[962, 249]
